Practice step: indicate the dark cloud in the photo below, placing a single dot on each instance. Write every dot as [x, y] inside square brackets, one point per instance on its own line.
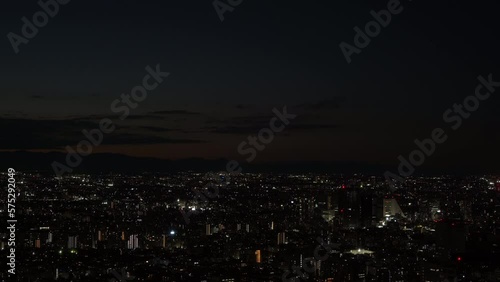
[175, 112]
[323, 105]
[158, 115]
[243, 120]
[141, 117]
[117, 117]
[305, 127]
[135, 139]
[256, 129]
[56, 134]
[234, 129]
[244, 106]
[253, 124]
[154, 129]
[41, 134]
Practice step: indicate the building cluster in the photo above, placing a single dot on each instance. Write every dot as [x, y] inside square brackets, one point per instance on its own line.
[261, 227]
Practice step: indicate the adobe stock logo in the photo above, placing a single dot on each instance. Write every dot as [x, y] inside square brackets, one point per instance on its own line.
[40, 19]
[123, 276]
[372, 29]
[308, 263]
[455, 116]
[221, 7]
[265, 135]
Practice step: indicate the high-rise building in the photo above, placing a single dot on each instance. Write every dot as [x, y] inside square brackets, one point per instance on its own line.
[164, 241]
[133, 242]
[349, 206]
[368, 209]
[281, 238]
[72, 242]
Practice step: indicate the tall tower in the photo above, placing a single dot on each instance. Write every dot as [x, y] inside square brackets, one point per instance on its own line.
[72, 242]
[281, 238]
[164, 241]
[349, 207]
[133, 242]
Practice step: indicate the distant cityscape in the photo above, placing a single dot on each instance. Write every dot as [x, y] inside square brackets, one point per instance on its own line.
[250, 141]
[260, 227]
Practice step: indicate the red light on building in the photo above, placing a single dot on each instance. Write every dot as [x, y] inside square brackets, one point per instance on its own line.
[343, 186]
[459, 258]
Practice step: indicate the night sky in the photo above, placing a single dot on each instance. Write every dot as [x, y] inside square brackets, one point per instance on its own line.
[226, 77]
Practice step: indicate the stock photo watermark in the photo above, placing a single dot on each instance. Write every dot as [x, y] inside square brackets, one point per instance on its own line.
[123, 106]
[308, 263]
[454, 116]
[11, 222]
[222, 7]
[372, 29]
[122, 276]
[264, 136]
[39, 20]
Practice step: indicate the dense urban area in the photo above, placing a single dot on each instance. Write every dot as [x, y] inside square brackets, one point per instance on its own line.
[254, 227]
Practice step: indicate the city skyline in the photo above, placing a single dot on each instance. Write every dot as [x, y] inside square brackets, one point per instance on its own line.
[260, 227]
[250, 141]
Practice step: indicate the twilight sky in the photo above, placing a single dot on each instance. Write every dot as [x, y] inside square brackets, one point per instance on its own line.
[226, 77]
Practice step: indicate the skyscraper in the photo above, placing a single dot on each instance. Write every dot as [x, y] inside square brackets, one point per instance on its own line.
[133, 242]
[281, 238]
[72, 242]
[164, 241]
